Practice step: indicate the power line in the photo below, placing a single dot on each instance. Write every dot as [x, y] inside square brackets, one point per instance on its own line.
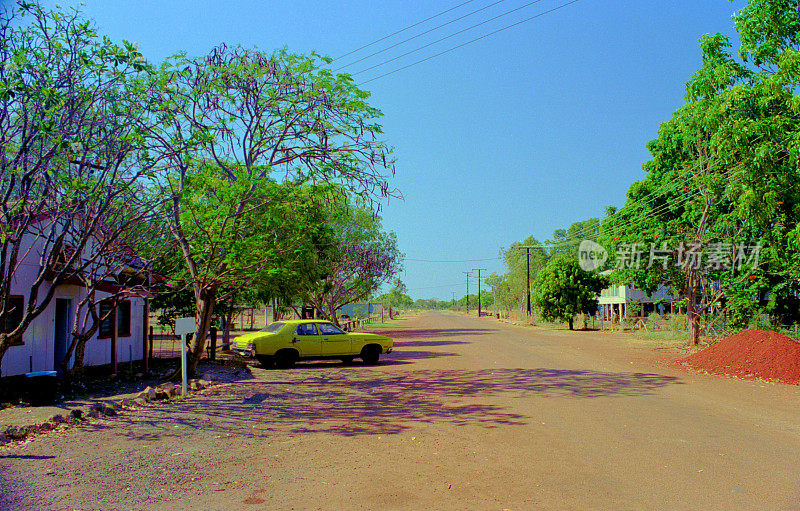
[658, 210]
[447, 37]
[646, 200]
[403, 29]
[435, 287]
[681, 201]
[420, 35]
[470, 42]
[459, 261]
[652, 196]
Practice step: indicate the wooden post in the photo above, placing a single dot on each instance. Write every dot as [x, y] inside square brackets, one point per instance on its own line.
[114, 334]
[145, 323]
[213, 354]
[150, 351]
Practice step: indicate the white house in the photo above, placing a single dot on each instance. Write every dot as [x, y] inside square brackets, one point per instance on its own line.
[46, 341]
[614, 300]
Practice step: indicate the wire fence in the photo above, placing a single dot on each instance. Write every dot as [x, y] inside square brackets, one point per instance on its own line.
[163, 343]
[168, 345]
[712, 327]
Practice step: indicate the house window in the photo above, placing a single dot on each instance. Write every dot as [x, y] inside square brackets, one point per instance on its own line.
[124, 319]
[13, 315]
[107, 316]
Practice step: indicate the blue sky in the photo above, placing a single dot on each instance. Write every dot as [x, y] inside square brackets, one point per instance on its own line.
[521, 133]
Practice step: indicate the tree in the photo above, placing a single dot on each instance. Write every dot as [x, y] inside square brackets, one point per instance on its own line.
[563, 290]
[723, 177]
[118, 273]
[254, 115]
[397, 297]
[567, 241]
[501, 291]
[516, 259]
[360, 258]
[486, 300]
[70, 164]
[431, 304]
[684, 215]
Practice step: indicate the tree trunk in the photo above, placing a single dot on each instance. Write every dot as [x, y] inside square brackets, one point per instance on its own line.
[76, 373]
[4, 345]
[6, 341]
[570, 321]
[691, 309]
[226, 332]
[205, 311]
[79, 339]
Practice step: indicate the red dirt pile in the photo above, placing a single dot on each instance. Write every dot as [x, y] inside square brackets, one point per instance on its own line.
[751, 354]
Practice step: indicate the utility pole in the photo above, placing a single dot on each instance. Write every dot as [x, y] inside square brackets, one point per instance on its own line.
[494, 299]
[467, 274]
[528, 250]
[479, 289]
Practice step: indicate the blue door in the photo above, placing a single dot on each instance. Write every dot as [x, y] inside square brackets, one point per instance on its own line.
[62, 332]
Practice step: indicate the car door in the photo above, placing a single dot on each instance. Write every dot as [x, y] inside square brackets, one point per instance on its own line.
[334, 341]
[307, 340]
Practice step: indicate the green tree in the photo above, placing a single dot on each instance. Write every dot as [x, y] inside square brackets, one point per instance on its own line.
[71, 169]
[567, 241]
[516, 278]
[502, 295]
[360, 258]
[563, 290]
[723, 174]
[397, 297]
[254, 115]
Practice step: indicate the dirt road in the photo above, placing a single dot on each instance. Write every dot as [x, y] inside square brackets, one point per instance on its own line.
[466, 414]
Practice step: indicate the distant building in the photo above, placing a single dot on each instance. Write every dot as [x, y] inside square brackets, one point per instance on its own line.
[359, 310]
[614, 300]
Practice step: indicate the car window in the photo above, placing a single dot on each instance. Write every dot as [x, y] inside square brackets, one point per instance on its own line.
[306, 329]
[273, 327]
[329, 329]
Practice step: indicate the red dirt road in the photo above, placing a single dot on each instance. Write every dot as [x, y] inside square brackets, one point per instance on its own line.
[466, 414]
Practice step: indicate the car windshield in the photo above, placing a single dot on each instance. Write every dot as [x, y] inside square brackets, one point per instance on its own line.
[273, 327]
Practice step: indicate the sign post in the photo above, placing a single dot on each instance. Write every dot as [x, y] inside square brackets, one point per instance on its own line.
[184, 326]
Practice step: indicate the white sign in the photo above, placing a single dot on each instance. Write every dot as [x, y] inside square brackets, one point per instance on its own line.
[185, 326]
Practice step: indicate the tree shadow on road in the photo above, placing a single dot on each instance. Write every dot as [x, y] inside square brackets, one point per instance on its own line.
[435, 332]
[360, 400]
[402, 343]
[401, 357]
[25, 457]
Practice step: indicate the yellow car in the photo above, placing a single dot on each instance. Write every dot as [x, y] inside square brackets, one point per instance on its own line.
[283, 343]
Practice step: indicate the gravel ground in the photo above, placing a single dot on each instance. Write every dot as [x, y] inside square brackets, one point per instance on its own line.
[466, 414]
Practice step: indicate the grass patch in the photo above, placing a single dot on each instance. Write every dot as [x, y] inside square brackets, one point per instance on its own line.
[665, 335]
[385, 324]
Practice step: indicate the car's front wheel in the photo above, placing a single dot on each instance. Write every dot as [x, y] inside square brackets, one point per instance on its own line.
[285, 359]
[370, 354]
